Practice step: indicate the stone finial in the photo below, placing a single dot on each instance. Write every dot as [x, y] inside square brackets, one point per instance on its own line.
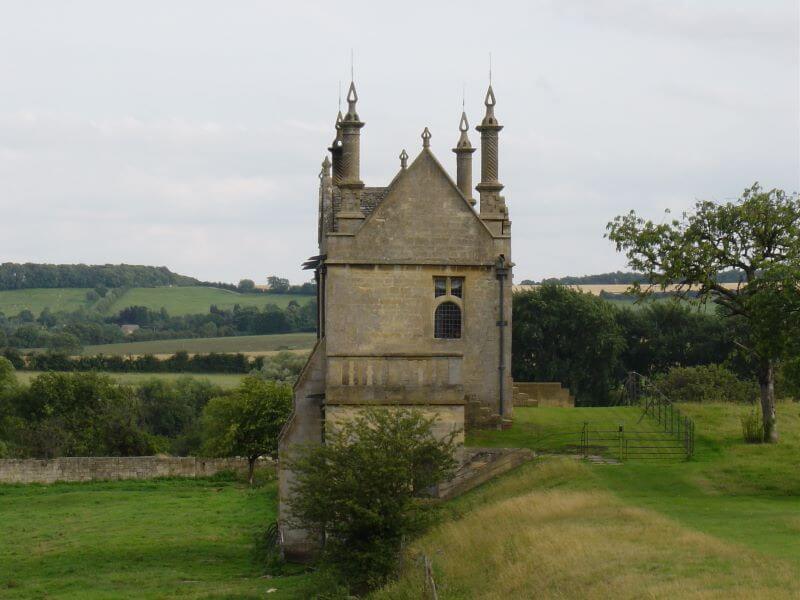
[403, 159]
[489, 102]
[426, 138]
[352, 98]
[463, 127]
[326, 168]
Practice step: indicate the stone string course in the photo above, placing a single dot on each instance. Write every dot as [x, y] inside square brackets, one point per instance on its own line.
[100, 468]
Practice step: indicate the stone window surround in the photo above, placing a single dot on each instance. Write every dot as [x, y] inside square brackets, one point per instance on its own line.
[452, 299]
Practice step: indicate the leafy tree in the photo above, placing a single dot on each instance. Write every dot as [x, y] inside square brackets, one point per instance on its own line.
[277, 285]
[63, 342]
[662, 335]
[81, 414]
[247, 421]
[284, 366]
[360, 490]
[759, 235]
[7, 377]
[565, 335]
[246, 285]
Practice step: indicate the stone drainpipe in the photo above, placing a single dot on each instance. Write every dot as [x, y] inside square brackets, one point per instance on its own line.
[502, 272]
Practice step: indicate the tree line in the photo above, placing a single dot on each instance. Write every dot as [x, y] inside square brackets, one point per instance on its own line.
[589, 344]
[621, 278]
[89, 414]
[18, 276]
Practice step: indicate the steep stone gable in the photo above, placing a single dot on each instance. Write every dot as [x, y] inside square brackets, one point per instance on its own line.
[423, 218]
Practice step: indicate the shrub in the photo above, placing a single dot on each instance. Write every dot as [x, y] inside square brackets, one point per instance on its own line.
[705, 383]
[284, 367]
[361, 491]
[752, 428]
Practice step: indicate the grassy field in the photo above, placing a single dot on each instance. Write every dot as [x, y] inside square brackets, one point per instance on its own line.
[224, 380]
[13, 302]
[177, 300]
[138, 539]
[194, 300]
[254, 344]
[723, 525]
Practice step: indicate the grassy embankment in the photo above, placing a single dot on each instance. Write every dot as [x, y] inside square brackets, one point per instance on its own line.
[724, 525]
[177, 300]
[178, 538]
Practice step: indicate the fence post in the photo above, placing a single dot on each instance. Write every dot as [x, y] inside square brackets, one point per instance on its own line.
[621, 440]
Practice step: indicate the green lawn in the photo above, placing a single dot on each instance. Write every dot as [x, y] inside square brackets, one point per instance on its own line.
[178, 538]
[224, 380]
[239, 343]
[197, 300]
[12, 302]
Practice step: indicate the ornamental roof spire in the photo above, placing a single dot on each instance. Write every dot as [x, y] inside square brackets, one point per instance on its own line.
[352, 99]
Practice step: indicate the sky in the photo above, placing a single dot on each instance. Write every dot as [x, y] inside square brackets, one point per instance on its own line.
[190, 133]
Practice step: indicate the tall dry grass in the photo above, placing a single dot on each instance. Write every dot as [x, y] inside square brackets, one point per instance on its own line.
[562, 543]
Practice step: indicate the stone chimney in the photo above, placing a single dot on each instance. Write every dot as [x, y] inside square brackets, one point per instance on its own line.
[336, 151]
[493, 209]
[464, 152]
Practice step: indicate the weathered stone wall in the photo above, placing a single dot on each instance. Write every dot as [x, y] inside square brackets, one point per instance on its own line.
[379, 316]
[98, 468]
[449, 418]
[303, 428]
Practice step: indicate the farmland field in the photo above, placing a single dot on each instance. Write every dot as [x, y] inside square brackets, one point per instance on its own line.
[251, 344]
[176, 300]
[224, 380]
[12, 302]
[196, 300]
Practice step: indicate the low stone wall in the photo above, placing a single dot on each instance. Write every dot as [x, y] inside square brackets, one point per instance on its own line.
[98, 468]
[479, 466]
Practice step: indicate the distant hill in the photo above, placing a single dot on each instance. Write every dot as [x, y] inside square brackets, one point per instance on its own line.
[17, 276]
[617, 278]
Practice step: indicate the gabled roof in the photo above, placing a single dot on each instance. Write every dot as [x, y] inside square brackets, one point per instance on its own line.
[421, 218]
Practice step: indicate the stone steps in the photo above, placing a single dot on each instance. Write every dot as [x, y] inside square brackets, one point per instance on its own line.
[541, 393]
[479, 416]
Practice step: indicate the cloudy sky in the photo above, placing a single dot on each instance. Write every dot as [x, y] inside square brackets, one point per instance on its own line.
[189, 133]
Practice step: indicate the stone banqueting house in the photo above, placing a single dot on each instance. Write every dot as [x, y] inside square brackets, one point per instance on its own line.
[414, 285]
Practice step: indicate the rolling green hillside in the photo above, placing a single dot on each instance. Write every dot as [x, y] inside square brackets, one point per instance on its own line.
[13, 302]
[177, 300]
[195, 300]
